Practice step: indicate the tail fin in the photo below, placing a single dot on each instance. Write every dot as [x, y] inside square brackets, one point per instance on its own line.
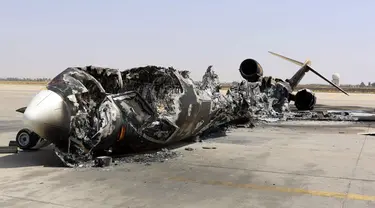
[305, 67]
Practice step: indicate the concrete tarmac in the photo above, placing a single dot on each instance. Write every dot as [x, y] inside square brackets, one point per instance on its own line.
[288, 164]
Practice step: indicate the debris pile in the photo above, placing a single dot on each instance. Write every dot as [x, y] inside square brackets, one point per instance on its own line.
[321, 116]
[260, 100]
[159, 156]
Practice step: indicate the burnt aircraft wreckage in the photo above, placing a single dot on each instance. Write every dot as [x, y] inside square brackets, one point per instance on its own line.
[90, 111]
[304, 99]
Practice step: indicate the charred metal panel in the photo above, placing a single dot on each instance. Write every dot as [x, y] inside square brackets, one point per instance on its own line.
[190, 114]
[95, 119]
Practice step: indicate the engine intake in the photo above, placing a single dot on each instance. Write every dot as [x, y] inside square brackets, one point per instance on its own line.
[251, 70]
[305, 99]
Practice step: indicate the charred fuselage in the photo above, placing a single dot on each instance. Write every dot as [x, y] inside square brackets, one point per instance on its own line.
[105, 110]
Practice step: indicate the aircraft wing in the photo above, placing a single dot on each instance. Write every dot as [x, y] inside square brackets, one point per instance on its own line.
[325, 79]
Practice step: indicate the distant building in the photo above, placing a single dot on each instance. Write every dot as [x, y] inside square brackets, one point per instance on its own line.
[336, 79]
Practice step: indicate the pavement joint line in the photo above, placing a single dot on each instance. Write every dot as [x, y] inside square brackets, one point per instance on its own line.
[356, 165]
[337, 195]
[37, 201]
[280, 172]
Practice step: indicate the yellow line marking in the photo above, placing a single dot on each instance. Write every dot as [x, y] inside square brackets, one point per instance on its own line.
[280, 189]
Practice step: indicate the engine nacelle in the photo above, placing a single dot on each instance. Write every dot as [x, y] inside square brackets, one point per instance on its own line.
[251, 70]
[305, 99]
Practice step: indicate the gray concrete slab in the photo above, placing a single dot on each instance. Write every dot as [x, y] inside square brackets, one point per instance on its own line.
[288, 164]
[360, 99]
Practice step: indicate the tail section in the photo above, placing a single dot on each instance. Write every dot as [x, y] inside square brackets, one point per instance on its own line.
[305, 67]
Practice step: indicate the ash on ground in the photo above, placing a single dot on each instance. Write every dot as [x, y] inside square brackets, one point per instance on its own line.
[160, 156]
[153, 157]
[321, 116]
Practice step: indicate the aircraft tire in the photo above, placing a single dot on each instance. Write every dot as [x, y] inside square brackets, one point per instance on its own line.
[26, 139]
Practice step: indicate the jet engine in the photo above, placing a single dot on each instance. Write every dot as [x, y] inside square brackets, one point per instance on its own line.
[304, 99]
[251, 70]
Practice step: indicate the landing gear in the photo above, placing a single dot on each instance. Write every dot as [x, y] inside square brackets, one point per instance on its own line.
[26, 139]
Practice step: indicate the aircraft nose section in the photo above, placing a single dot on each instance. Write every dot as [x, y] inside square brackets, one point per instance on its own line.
[48, 116]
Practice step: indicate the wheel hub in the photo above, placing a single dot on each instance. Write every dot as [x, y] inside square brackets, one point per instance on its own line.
[24, 139]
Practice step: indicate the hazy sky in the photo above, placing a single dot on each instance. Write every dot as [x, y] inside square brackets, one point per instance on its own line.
[39, 38]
